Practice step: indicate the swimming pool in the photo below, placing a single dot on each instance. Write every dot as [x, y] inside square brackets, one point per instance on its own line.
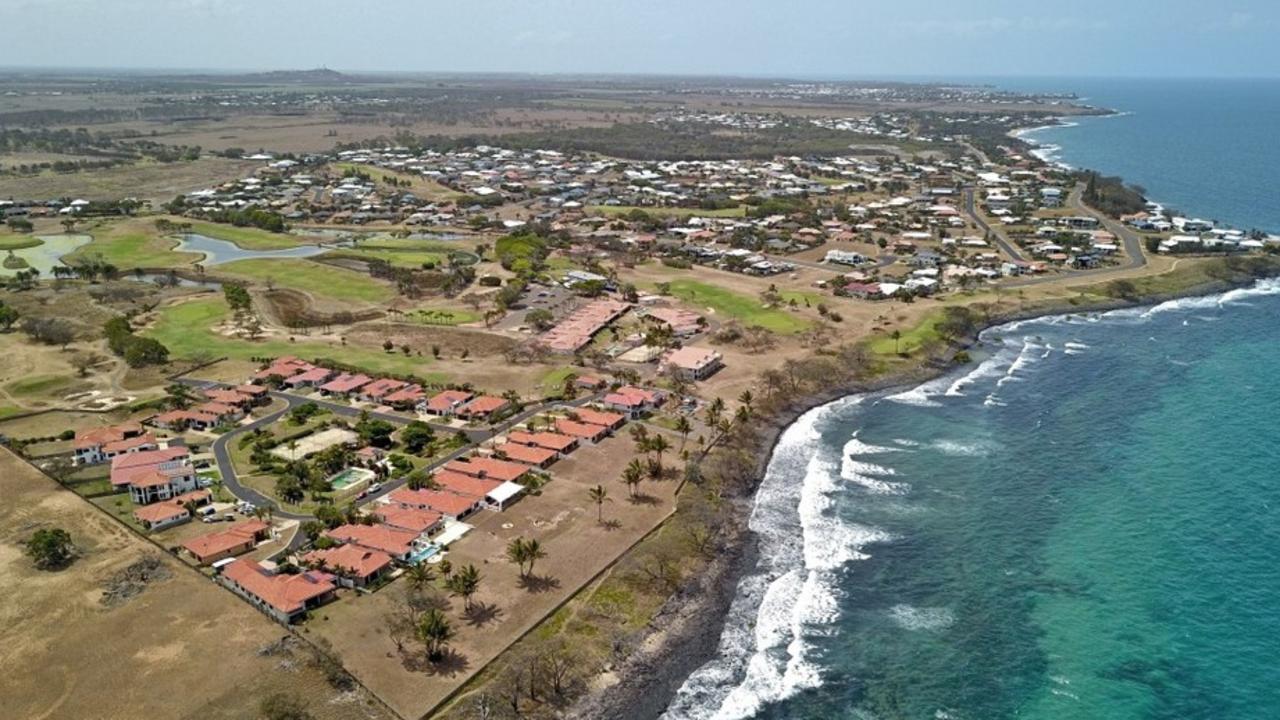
[350, 477]
[423, 554]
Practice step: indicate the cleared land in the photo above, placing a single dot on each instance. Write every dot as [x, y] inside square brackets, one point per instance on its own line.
[181, 648]
[156, 182]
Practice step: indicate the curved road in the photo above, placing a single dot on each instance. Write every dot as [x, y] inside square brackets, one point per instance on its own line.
[1133, 245]
[475, 437]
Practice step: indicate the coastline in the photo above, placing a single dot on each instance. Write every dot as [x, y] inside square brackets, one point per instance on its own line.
[686, 632]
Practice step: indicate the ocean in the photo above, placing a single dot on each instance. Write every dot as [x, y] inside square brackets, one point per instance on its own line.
[1085, 524]
[1204, 147]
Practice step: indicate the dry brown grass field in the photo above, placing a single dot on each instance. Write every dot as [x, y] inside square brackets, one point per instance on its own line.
[181, 648]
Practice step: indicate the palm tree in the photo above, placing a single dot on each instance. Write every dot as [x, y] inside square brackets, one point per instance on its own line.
[684, 427]
[897, 336]
[434, 631]
[632, 475]
[745, 399]
[534, 552]
[657, 445]
[598, 496]
[525, 553]
[714, 411]
[464, 583]
[420, 576]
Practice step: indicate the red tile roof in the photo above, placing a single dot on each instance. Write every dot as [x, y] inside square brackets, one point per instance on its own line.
[527, 454]
[286, 593]
[579, 430]
[550, 441]
[447, 400]
[490, 468]
[377, 537]
[446, 503]
[159, 512]
[350, 560]
[94, 437]
[405, 518]
[345, 383]
[599, 417]
[221, 541]
[483, 405]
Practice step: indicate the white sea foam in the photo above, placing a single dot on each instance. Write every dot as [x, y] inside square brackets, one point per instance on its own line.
[857, 447]
[906, 442]
[956, 448]
[793, 596]
[909, 617]
[922, 395]
[868, 475]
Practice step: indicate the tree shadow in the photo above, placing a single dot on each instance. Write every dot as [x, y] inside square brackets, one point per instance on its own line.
[611, 525]
[644, 499]
[481, 614]
[450, 664]
[539, 583]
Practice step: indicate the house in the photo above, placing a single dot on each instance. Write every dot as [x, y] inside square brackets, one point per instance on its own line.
[610, 420]
[379, 389]
[283, 368]
[691, 363]
[683, 323]
[589, 382]
[449, 504]
[179, 420]
[154, 475]
[423, 522]
[222, 544]
[101, 444]
[560, 444]
[483, 407]
[345, 384]
[581, 430]
[160, 515]
[399, 544]
[309, 378]
[634, 401]
[406, 397]
[446, 403]
[488, 468]
[527, 454]
[844, 257]
[284, 597]
[355, 566]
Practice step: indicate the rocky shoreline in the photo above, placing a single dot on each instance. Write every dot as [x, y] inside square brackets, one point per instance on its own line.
[686, 632]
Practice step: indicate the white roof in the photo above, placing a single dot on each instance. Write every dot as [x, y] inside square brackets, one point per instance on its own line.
[504, 492]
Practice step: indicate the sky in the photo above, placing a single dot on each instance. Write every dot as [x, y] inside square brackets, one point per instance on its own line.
[789, 38]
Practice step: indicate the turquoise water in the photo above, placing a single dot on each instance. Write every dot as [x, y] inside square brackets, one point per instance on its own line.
[1084, 525]
[1204, 147]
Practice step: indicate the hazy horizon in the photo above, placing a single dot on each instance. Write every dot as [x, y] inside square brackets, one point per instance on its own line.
[820, 39]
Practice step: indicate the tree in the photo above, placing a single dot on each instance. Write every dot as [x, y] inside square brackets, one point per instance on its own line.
[657, 445]
[598, 496]
[51, 548]
[684, 427]
[416, 436]
[525, 553]
[82, 362]
[897, 337]
[464, 583]
[8, 317]
[420, 576]
[632, 474]
[541, 319]
[180, 396]
[434, 632]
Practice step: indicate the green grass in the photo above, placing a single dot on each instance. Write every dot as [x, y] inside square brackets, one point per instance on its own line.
[553, 381]
[396, 257]
[734, 212]
[186, 329]
[246, 238]
[443, 316]
[913, 338]
[8, 411]
[38, 384]
[132, 244]
[18, 242]
[316, 278]
[518, 246]
[731, 305]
